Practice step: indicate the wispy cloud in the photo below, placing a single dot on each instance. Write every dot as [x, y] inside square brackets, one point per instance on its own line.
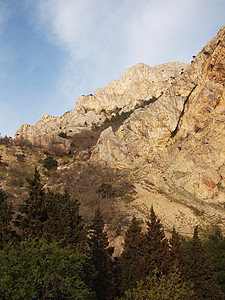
[103, 38]
[99, 40]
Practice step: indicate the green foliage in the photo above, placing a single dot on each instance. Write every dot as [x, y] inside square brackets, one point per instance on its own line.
[161, 287]
[146, 102]
[50, 163]
[155, 247]
[63, 222]
[132, 257]
[215, 247]
[46, 152]
[20, 182]
[33, 210]
[179, 255]
[20, 157]
[6, 215]
[42, 270]
[202, 272]
[101, 258]
[63, 135]
[51, 215]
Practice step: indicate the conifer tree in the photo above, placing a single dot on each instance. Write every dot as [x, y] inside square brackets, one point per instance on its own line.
[156, 247]
[64, 222]
[179, 255]
[6, 213]
[51, 215]
[131, 260]
[215, 247]
[101, 258]
[202, 272]
[33, 211]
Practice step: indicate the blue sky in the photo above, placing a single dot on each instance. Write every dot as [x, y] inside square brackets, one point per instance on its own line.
[53, 51]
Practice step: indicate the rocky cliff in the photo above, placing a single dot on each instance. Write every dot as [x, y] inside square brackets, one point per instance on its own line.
[172, 147]
[175, 146]
[137, 84]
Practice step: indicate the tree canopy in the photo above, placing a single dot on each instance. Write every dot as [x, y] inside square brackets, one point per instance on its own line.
[41, 270]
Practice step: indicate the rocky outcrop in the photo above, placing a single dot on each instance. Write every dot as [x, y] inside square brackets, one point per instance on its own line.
[175, 145]
[138, 83]
[172, 147]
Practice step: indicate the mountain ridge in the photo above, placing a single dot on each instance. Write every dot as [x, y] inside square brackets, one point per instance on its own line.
[170, 141]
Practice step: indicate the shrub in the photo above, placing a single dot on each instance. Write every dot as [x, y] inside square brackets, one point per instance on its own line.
[63, 135]
[20, 182]
[46, 152]
[20, 157]
[105, 189]
[50, 163]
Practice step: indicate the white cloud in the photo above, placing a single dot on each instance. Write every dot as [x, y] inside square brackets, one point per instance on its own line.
[103, 38]
[93, 36]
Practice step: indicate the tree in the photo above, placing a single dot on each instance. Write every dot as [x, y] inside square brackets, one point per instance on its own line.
[33, 212]
[64, 222]
[155, 247]
[202, 272]
[179, 255]
[41, 270]
[131, 260]
[51, 215]
[6, 216]
[161, 287]
[215, 248]
[102, 260]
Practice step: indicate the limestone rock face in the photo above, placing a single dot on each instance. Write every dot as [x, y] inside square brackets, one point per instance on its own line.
[176, 144]
[172, 147]
[139, 83]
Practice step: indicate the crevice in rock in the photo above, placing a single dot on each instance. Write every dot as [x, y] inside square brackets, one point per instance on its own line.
[174, 132]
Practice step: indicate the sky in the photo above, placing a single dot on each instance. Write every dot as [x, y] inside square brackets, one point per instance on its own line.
[53, 51]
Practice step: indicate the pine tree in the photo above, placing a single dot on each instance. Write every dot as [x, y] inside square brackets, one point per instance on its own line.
[202, 272]
[102, 261]
[6, 215]
[64, 222]
[156, 247]
[215, 247]
[132, 257]
[179, 255]
[33, 211]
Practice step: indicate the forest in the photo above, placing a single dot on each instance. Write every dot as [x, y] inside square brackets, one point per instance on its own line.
[47, 251]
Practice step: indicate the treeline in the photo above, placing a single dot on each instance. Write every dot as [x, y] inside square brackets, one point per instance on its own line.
[47, 252]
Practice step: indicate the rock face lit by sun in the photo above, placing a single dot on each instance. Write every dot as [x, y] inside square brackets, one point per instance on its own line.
[165, 126]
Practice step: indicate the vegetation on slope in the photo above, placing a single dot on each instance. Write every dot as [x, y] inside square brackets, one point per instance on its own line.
[55, 255]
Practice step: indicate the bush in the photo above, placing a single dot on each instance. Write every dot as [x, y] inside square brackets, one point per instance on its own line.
[63, 135]
[20, 182]
[46, 152]
[105, 189]
[50, 163]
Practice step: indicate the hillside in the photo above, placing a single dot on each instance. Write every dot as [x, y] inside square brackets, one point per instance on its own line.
[155, 136]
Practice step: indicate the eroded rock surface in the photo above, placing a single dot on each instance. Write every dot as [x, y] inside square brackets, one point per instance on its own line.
[172, 147]
[176, 144]
[137, 84]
